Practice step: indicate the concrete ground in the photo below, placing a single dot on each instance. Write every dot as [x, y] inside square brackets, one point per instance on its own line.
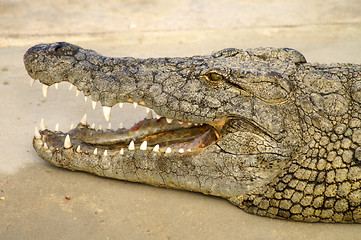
[39, 201]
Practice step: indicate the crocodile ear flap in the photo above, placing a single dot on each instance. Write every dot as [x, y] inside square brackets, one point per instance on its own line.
[272, 87]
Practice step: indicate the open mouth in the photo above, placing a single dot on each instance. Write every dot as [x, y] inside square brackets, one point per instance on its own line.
[153, 133]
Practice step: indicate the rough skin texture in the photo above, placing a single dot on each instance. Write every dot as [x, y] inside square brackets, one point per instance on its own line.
[277, 136]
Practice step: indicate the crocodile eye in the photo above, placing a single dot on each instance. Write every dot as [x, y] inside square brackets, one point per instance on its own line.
[214, 77]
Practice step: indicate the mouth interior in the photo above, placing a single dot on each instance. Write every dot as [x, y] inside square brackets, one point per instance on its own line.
[159, 133]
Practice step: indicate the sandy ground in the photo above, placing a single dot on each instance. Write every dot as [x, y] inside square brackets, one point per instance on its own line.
[39, 201]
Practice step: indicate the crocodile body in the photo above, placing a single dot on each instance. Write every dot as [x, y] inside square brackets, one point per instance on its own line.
[273, 134]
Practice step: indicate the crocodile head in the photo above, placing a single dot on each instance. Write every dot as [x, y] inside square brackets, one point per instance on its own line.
[276, 136]
[227, 122]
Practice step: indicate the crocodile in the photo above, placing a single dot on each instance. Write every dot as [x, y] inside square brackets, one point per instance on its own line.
[263, 128]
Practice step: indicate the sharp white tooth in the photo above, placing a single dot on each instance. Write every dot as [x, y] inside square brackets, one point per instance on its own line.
[77, 92]
[168, 150]
[109, 126]
[189, 123]
[85, 98]
[150, 115]
[57, 127]
[83, 120]
[36, 133]
[67, 143]
[93, 126]
[71, 86]
[169, 120]
[32, 81]
[135, 104]
[189, 150]
[45, 146]
[45, 90]
[56, 85]
[106, 112]
[95, 151]
[121, 105]
[143, 146]
[181, 150]
[94, 104]
[105, 153]
[42, 124]
[72, 126]
[147, 109]
[131, 146]
[100, 127]
[156, 148]
[158, 116]
[78, 149]
[121, 125]
[180, 122]
[121, 152]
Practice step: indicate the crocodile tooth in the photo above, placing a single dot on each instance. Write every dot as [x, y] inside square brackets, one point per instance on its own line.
[100, 127]
[189, 150]
[32, 81]
[67, 143]
[181, 150]
[169, 120]
[121, 125]
[143, 146]
[85, 98]
[94, 104]
[180, 122]
[105, 153]
[71, 87]
[45, 90]
[156, 148]
[45, 146]
[135, 104]
[83, 120]
[37, 134]
[93, 126]
[57, 127]
[131, 146]
[95, 151]
[77, 92]
[78, 149]
[149, 115]
[106, 112]
[168, 150]
[72, 126]
[147, 109]
[42, 124]
[121, 152]
[121, 105]
[56, 86]
[158, 116]
[109, 126]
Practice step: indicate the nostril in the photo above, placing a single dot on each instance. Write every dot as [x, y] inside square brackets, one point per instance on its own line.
[65, 49]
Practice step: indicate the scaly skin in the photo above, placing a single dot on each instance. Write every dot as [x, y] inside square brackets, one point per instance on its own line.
[274, 135]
